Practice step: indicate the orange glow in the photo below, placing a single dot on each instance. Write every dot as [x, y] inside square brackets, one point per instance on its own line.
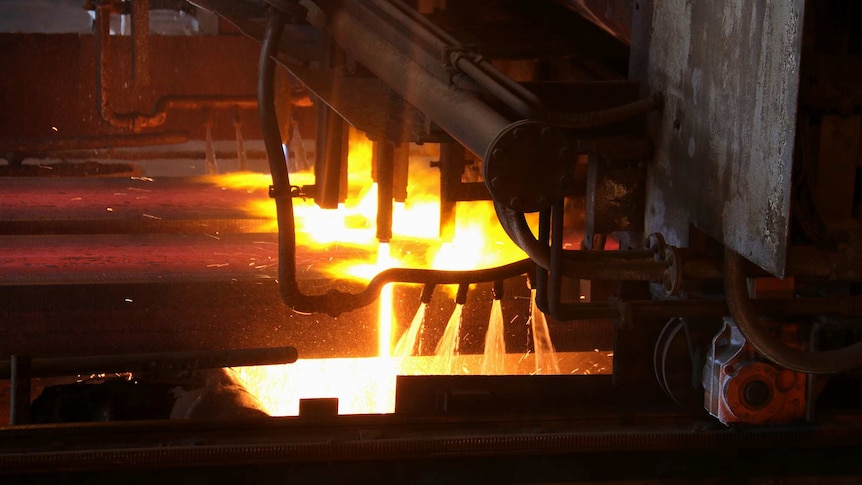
[385, 309]
[367, 385]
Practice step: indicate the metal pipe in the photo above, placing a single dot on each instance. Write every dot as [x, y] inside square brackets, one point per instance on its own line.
[498, 290]
[592, 119]
[334, 302]
[461, 114]
[555, 283]
[610, 265]
[542, 274]
[155, 362]
[746, 317]
[135, 121]
[461, 295]
[519, 98]
[385, 189]
[451, 169]
[416, 16]
[330, 158]
[141, 42]
[407, 22]
[427, 293]
[480, 71]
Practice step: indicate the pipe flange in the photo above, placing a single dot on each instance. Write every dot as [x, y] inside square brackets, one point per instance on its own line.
[655, 242]
[529, 166]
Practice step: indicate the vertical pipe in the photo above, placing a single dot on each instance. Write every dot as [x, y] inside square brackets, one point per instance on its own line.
[451, 168]
[402, 162]
[555, 292]
[461, 296]
[19, 409]
[385, 189]
[331, 157]
[141, 42]
[103, 57]
[544, 238]
[427, 293]
[498, 289]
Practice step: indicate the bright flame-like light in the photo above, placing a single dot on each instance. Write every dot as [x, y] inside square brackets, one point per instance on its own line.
[367, 385]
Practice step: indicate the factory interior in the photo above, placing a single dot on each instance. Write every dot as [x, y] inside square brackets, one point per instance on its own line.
[431, 241]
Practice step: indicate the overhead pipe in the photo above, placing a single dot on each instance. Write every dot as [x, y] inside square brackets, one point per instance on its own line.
[334, 302]
[463, 115]
[514, 95]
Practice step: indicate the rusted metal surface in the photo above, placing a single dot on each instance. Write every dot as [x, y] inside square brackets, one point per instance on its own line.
[141, 42]
[58, 98]
[141, 119]
[729, 72]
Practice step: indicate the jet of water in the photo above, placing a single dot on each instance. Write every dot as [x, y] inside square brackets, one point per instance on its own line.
[406, 346]
[447, 348]
[546, 354]
[494, 359]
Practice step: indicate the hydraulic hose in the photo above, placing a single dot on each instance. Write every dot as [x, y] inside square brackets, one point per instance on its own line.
[743, 313]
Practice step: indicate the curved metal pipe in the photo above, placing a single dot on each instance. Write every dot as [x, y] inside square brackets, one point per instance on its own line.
[592, 119]
[501, 86]
[743, 312]
[515, 225]
[333, 302]
[136, 121]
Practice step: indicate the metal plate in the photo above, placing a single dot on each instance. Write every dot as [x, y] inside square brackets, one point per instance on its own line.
[724, 141]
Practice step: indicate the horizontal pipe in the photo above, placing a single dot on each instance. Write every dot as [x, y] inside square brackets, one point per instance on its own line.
[616, 114]
[528, 108]
[155, 362]
[465, 117]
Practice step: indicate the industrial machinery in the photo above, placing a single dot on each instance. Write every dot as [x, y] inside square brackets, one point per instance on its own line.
[675, 183]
